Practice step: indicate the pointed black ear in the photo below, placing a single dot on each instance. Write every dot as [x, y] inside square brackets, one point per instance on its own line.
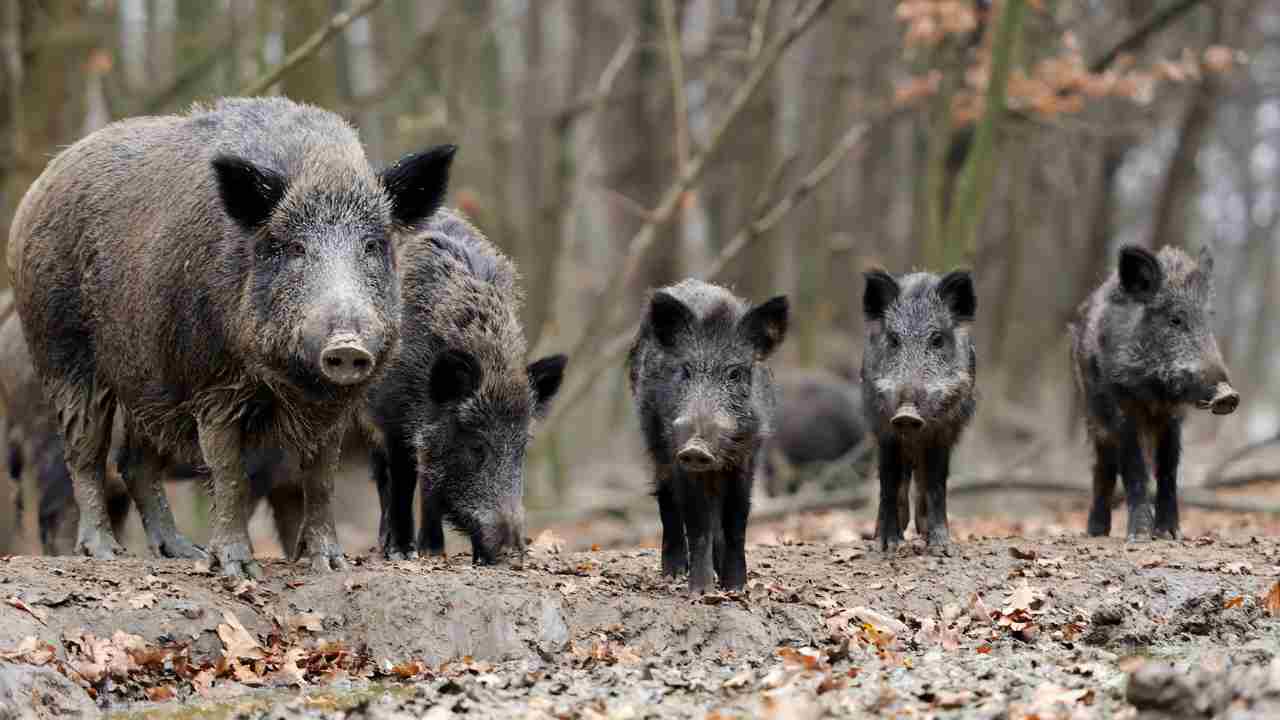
[417, 184]
[545, 376]
[881, 291]
[249, 192]
[956, 290]
[1140, 273]
[669, 317]
[455, 376]
[765, 326]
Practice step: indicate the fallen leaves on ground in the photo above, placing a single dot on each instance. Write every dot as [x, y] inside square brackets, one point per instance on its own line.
[40, 614]
[1272, 600]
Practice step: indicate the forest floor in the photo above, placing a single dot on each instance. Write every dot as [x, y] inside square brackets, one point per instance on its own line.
[1049, 626]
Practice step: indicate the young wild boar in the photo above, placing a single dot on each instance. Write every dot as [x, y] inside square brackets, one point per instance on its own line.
[1143, 350]
[918, 371]
[226, 278]
[706, 403]
[454, 411]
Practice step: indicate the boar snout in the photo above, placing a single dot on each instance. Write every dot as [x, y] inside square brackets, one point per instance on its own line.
[695, 457]
[345, 362]
[698, 435]
[501, 541]
[1223, 401]
[907, 419]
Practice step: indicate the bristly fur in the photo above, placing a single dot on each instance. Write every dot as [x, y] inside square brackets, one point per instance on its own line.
[190, 269]
[1142, 351]
[918, 357]
[699, 360]
[462, 436]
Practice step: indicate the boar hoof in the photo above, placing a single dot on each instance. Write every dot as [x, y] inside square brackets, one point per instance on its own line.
[99, 544]
[236, 560]
[939, 538]
[674, 568]
[402, 554]
[1167, 534]
[177, 547]
[322, 563]
[889, 545]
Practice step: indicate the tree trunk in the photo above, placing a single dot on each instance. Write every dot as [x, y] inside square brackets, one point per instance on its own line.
[315, 80]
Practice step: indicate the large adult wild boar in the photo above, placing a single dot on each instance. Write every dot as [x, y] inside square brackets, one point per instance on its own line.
[226, 278]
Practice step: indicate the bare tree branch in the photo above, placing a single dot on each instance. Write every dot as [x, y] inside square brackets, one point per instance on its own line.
[681, 103]
[765, 221]
[605, 301]
[1140, 34]
[317, 40]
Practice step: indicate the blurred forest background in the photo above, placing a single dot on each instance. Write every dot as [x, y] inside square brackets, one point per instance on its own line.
[779, 146]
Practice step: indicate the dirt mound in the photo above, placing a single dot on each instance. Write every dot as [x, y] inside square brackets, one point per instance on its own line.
[996, 626]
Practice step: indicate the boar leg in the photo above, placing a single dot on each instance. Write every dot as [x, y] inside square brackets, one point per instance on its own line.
[913, 480]
[1167, 454]
[143, 474]
[396, 478]
[736, 508]
[318, 539]
[229, 546]
[892, 472]
[1133, 468]
[932, 485]
[431, 534]
[698, 527]
[675, 552]
[1106, 466]
[86, 419]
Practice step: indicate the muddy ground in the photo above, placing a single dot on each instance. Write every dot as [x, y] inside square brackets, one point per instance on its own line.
[1054, 627]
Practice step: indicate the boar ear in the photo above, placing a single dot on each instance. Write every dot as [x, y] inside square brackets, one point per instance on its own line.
[455, 376]
[765, 326]
[545, 376]
[668, 317]
[1140, 273]
[956, 290]
[881, 291]
[417, 184]
[249, 192]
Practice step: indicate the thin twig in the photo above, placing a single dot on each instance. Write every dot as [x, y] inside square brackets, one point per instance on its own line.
[308, 48]
[773, 182]
[675, 62]
[757, 27]
[606, 356]
[604, 302]
[604, 88]
[1146, 29]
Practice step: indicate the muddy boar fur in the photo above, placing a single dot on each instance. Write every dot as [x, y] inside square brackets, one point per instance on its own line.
[819, 420]
[454, 412]
[33, 445]
[706, 401]
[225, 278]
[1143, 351]
[919, 369]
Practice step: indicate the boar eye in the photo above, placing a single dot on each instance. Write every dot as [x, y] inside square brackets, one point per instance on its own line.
[476, 451]
[1176, 321]
[739, 373]
[686, 371]
[372, 246]
[937, 341]
[893, 341]
[294, 250]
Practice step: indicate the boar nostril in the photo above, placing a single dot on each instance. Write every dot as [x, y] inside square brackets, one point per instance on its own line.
[907, 419]
[346, 364]
[695, 458]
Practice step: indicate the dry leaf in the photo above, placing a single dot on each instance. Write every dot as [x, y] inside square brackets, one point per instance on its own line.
[547, 543]
[237, 641]
[1272, 601]
[160, 693]
[40, 614]
[289, 672]
[142, 600]
[202, 682]
[1234, 602]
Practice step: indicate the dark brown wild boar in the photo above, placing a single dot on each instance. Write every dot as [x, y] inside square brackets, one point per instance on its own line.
[226, 278]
